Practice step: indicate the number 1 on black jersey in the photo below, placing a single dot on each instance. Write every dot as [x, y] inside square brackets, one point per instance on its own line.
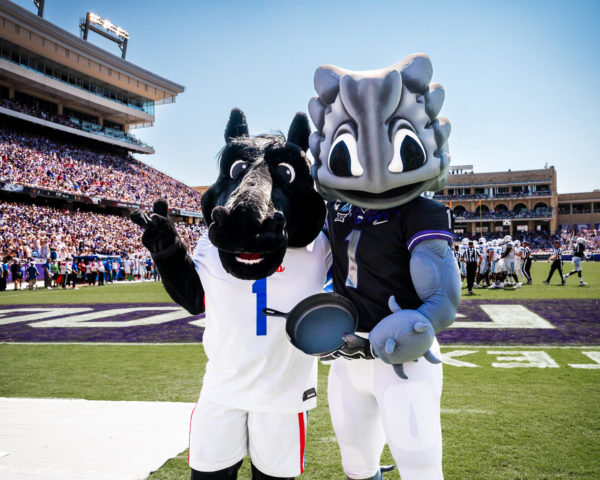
[352, 277]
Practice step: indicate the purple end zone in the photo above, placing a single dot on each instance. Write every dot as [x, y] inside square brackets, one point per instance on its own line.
[175, 331]
[577, 322]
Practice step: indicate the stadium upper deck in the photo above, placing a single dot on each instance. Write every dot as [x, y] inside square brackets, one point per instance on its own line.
[516, 201]
[81, 88]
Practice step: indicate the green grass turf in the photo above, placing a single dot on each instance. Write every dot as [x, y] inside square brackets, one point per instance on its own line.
[120, 292]
[498, 424]
[123, 292]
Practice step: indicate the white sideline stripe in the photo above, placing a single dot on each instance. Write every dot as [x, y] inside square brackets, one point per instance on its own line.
[57, 439]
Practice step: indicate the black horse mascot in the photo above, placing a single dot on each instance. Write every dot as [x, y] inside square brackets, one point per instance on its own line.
[263, 245]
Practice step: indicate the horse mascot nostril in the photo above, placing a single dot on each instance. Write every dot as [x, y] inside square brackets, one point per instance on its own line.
[379, 144]
[264, 244]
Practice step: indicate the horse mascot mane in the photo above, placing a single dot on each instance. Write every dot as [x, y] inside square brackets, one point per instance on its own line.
[263, 245]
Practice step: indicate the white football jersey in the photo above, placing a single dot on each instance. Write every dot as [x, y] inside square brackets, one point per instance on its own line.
[518, 253]
[511, 251]
[251, 363]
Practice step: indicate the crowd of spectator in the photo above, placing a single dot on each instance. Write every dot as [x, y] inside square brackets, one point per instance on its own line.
[483, 196]
[40, 232]
[40, 161]
[493, 214]
[68, 121]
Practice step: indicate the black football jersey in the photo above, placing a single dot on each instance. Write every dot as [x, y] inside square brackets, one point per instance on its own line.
[372, 248]
[579, 250]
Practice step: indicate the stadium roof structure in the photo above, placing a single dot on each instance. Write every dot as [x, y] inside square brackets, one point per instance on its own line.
[99, 91]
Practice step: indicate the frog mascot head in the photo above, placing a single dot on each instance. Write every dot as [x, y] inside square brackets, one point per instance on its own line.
[379, 141]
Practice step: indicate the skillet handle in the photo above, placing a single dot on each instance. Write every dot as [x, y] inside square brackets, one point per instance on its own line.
[269, 312]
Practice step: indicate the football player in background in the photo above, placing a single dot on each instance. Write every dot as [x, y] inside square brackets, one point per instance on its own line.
[578, 257]
[483, 264]
[518, 261]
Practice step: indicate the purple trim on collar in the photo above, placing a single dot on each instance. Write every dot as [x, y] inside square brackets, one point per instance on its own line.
[429, 235]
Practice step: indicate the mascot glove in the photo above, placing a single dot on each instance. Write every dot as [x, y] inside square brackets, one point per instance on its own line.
[403, 336]
[159, 234]
[354, 348]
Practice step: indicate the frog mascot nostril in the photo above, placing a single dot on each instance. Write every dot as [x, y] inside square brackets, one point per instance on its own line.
[379, 145]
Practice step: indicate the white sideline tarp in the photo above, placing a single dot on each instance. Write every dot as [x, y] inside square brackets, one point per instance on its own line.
[54, 439]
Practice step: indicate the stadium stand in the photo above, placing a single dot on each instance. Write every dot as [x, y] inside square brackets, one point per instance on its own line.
[33, 231]
[49, 160]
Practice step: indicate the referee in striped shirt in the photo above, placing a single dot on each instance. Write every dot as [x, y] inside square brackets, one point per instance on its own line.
[470, 258]
[526, 256]
[556, 259]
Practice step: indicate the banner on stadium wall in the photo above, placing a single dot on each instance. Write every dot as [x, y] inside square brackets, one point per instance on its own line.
[482, 229]
[522, 228]
[581, 227]
[185, 213]
[42, 192]
[11, 187]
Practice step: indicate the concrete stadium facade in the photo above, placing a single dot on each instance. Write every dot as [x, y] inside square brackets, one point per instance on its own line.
[512, 201]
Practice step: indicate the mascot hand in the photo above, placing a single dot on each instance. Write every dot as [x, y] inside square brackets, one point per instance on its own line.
[403, 336]
[355, 347]
[159, 232]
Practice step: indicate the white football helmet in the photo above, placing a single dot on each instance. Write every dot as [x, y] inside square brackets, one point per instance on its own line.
[517, 243]
[581, 240]
[507, 238]
[465, 241]
[482, 240]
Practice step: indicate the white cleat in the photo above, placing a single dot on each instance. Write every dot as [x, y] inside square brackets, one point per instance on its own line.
[582, 283]
[518, 285]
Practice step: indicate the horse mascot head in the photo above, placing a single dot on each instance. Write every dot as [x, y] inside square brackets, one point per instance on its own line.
[264, 199]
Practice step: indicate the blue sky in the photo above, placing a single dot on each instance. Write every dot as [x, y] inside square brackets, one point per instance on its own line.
[521, 78]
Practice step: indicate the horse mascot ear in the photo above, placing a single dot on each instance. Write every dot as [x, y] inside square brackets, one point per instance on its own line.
[236, 126]
[299, 131]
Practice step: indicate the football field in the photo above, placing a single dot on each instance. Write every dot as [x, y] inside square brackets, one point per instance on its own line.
[521, 372]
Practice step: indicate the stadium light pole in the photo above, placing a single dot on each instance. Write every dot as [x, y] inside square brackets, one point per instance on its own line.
[104, 27]
[40, 6]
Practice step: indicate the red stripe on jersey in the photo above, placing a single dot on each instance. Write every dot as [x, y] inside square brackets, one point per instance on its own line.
[302, 440]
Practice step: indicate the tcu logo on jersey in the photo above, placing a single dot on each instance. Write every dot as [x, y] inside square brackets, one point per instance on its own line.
[280, 269]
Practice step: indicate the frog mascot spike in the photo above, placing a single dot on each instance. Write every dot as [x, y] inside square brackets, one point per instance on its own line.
[379, 145]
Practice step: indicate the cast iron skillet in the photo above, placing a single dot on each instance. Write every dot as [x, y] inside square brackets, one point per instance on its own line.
[317, 323]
